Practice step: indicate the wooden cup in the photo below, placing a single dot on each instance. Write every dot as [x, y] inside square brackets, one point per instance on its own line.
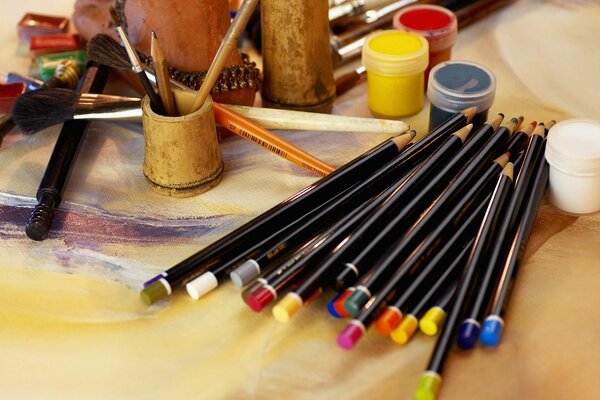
[182, 157]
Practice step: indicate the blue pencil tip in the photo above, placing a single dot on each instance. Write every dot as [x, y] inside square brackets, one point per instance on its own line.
[331, 309]
[468, 332]
[491, 331]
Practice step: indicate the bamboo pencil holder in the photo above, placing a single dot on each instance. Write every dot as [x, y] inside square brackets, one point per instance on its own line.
[182, 157]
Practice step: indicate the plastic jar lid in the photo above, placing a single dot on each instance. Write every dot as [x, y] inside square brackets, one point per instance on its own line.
[456, 85]
[437, 24]
[573, 147]
[395, 52]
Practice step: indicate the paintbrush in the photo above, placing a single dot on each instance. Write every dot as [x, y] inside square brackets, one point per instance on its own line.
[46, 107]
[136, 66]
[106, 51]
[39, 109]
[227, 45]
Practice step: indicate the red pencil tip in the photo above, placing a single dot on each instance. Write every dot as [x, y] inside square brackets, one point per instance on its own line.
[338, 306]
[260, 298]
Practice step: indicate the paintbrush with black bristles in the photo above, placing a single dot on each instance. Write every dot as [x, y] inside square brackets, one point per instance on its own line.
[37, 110]
[136, 65]
[107, 51]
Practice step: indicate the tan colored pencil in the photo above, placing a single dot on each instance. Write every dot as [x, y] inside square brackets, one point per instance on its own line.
[162, 76]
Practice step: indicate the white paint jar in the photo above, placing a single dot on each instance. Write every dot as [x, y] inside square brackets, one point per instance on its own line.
[573, 152]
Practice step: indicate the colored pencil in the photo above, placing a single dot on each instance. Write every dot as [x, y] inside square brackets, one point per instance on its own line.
[268, 140]
[519, 140]
[549, 125]
[412, 209]
[430, 381]
[534, 190]
[445, 283]
[345, 203]
[270, 221]
[392, 315]
[408, 187]
[329, 267]
[330, 307]
[473, 203]
[467, 174]
[432, 321]
[279, 279]
[323, 256]
[469, 329]
[66, 149]
[280, 242]
[525, 165]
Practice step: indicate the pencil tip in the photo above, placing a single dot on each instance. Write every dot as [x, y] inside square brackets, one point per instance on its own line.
[469, 113]
[503, 159]
[463, 132]
[509, 170]
[496, 121]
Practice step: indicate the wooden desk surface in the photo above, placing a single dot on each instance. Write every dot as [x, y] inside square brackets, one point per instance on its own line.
[72, 325]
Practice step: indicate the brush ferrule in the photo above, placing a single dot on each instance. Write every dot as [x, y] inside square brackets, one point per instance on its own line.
[136, 65]
[116, 113]
[106, 107]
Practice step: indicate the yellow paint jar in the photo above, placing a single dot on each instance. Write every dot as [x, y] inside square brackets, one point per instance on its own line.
[395, 63]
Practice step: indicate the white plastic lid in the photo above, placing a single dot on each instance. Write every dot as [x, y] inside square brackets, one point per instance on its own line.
[456, 85]
[573, 147]
[395, 53]
[437, 24]
[202, 285]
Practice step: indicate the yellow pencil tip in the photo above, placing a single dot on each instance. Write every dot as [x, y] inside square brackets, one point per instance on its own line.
[287, 307]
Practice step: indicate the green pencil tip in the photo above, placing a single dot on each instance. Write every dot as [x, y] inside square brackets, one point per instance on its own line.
[153, 293]
[429, 386]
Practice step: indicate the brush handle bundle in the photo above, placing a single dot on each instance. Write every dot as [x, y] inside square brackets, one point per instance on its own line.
[190, 33]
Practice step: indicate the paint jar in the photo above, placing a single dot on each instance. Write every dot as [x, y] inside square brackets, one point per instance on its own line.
[573, 152]
[182, 157]
[395, 63]
[437, 24]
[456, 85]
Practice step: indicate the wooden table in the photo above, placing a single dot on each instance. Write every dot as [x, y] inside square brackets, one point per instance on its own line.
[72, 325]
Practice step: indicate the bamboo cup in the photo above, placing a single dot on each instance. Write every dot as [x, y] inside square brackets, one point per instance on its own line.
[182, 157]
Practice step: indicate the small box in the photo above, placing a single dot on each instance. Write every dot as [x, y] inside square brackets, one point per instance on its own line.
[55, 43]
[8, 94]
[39, 24]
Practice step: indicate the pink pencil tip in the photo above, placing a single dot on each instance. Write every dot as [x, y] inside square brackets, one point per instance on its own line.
[348, 338]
